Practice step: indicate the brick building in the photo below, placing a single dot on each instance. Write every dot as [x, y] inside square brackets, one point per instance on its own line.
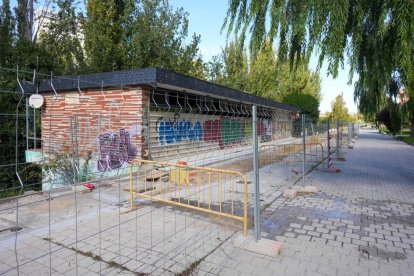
[152, 113]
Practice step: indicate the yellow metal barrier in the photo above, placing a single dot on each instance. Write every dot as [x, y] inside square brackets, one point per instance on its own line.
[282, 153]
[214, 191]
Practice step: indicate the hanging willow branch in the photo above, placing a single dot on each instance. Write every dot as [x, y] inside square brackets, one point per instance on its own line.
[335, 28]
[376, 37]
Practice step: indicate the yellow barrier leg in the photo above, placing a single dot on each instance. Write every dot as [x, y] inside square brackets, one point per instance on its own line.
[245, 207]
[138, 185]
[145, 180]
[188, 193]
[220, 192]
[209, 190]
[179, 191]
[199, 189]
[232, 194]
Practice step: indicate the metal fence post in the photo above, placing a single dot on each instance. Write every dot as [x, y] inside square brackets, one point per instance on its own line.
[304, 148]
[27, 123]
[328, 160]
[337, 139]
[256, 177]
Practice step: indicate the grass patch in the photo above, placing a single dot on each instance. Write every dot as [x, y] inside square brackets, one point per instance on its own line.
[408, 140]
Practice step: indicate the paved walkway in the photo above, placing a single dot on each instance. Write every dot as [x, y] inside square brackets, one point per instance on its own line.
[360, 223]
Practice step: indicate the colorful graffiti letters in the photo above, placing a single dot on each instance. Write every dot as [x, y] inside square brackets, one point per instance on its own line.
[178, 131]
[224, 131]
[115, 149]
[212, 131]
[231, 132]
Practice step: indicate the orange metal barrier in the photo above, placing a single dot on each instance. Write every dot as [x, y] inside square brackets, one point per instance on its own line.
[214, 191]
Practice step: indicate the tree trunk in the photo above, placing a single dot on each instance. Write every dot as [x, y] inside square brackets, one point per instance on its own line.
[412, 124]
[29, 18]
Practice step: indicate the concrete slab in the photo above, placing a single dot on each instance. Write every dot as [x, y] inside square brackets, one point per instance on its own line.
[305, 190]
[263, 246]
[290, 193]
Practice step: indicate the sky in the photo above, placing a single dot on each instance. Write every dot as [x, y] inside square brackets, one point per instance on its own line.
[206, 19]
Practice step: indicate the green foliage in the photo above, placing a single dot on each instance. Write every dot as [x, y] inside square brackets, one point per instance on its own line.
[339, 110]
[84, 175]
[264, 78]
[134, 34]
[408, 140]
[307, 103]
[267, 77]
[390, 118]
[31, 175]
[6, 33]
[215, 68]
[22, 14]
[59, 164]
[17, 49]
[235, 66]
[198, 69]
[302, 80]
[337, 28]
[61, 40]
[156, 34]
[377, 37]
[303, 84]
[230, 68]
[103, 34]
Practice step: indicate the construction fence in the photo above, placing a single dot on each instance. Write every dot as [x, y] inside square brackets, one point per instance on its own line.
[150, 192]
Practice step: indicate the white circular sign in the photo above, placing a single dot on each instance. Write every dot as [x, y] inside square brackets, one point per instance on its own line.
[36, 100]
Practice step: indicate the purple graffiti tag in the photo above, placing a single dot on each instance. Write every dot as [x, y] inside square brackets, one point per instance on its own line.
[115, 149]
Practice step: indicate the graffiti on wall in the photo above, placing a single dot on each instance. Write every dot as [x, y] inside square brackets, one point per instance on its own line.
[145, 133]
[225, 131]
[266, 129]
[170, 132]
[115, 149]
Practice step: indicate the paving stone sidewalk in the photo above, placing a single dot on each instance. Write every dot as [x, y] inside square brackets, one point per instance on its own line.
[360, 223]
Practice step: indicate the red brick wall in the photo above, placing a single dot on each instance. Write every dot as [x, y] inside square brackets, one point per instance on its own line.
[115, 111]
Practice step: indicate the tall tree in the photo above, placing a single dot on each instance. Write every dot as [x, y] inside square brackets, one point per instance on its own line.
[267, 77]
[235, 66]
[376, 36]
[301, 88]
[122, 34]
[104, 32]
[339, 110]
[6, 33]
[263, 74]
[301, 80]
[215, 69]
[155, 36]
[24, 14]
[61, 38]
[17, 48]
[7, 24]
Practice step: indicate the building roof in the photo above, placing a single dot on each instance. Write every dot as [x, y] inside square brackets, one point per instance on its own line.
[156, 77]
